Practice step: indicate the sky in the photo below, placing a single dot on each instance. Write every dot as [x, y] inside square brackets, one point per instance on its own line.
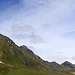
[47, 27]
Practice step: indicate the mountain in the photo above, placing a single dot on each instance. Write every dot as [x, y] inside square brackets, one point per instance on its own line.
[21, 57]
[56, 66]
[68, 65]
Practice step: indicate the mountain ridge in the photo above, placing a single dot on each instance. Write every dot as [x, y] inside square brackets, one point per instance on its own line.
[21, 56]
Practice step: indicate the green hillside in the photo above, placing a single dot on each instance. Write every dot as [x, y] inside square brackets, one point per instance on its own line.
[15, 60]
[19, 56]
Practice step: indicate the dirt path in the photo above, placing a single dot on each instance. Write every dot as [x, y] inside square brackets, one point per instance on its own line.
[0, 62]
[73, 72]
[7, 64]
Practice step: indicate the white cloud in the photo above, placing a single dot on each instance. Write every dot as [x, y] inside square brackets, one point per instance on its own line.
[26, 33]
[57, 56]
[73, 58]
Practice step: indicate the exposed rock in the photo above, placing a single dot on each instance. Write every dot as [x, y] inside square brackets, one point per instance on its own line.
[26, 49]
[23, 47]
[15, 51]
[56, 66]
[68, 65]
[28, 63]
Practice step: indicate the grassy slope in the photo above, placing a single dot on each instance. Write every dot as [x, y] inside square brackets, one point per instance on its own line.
[5, 70]
[8, 58]
[15, 60]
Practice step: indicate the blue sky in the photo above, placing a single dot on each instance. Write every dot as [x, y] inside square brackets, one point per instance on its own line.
[45, 26]
[5, 4]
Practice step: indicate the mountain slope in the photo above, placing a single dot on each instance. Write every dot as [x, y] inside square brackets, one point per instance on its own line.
[68, 65]
[19, 56]
[7, 70]
[22, 57]
[56, 66]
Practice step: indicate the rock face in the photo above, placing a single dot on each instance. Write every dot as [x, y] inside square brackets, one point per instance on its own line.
[22, 56]
[7, 40]
[56, 66]
[24, 48]
[68, 65]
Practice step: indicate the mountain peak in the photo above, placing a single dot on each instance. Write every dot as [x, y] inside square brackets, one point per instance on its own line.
[6, 40]
[68, 65]
[66, 62]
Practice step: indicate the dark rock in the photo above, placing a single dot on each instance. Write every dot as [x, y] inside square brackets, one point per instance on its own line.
[26, 49]
[15, 51]
[28, 63]
[56, 66]
[68, 65]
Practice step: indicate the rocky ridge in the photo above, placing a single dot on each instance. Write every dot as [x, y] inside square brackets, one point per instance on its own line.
[22, 56]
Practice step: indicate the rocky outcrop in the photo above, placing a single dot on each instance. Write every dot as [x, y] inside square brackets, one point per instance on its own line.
[15, 51]
[7, 40]
[26, 49]
[68, 65]
[55, 66]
